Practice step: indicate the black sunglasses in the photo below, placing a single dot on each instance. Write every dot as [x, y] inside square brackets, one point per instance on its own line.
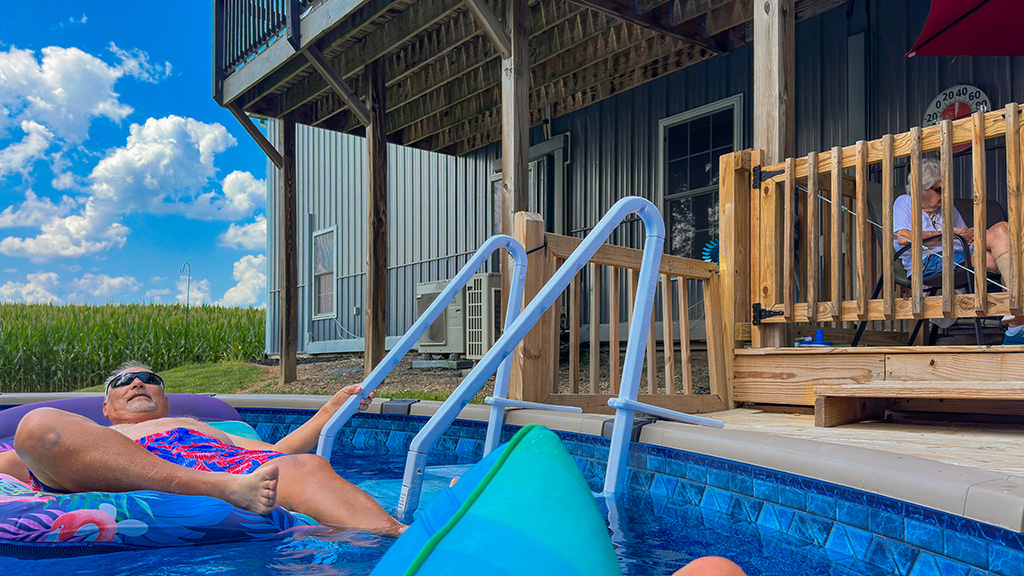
[129, 377]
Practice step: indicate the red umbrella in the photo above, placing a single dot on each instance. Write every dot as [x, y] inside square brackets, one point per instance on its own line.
[972, 28]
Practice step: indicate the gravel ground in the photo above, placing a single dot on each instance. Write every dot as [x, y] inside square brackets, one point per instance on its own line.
[328, 374]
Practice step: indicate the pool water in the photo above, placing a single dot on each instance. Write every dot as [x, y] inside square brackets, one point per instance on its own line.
[660, 524]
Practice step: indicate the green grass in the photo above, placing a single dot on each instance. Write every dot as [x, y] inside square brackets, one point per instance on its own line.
[213, 378]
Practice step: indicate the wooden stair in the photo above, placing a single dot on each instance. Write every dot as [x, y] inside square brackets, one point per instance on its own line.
[845, 403]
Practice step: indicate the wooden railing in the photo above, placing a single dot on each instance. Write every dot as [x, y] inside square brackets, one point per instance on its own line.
[244, 27]
[762, 221]
[669, 376]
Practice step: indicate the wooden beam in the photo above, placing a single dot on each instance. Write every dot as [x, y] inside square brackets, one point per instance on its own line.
[338, 85]
[406, 25]
[471, 129]
[682, 32]
[256, 135]
[515, 126]
[492, 27]
[774, 80]
[376, 221]
[287, 254]
[684, 10]
[473, 68]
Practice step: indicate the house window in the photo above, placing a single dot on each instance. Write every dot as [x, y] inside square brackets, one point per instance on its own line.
[691, 144]
[324, 279]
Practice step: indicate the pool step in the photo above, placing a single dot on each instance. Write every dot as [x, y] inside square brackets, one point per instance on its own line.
[842, 404]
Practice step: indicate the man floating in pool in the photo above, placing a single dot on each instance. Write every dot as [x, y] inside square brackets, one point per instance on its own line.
[144, 449]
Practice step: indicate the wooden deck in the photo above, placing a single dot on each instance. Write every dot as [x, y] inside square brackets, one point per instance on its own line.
[985, 446]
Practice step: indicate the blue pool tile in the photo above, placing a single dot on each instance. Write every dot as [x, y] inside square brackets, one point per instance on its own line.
[742, 484]
[924, 536]
[821, 506]
[675, 467]
[745, 508]
[696, 473]
[637, 459]
[770, 517]
[719, 479]
[886, 524]
[716, 499]
[767, 491]
[966, 549]
[1005, 561]
[931, 565]
[663, 486]
[852, 514]
[811, 528]
[880, 554]
[792, 498]
[657, 464]
[639, 480]
[689, 492]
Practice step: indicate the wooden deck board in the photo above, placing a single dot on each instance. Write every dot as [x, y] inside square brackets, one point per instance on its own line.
[992, 447]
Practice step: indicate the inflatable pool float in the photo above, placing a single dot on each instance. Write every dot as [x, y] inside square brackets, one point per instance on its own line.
[525, 509]
[50, 525]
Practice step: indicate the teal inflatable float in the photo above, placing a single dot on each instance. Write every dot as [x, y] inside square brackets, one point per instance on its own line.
[525, 509]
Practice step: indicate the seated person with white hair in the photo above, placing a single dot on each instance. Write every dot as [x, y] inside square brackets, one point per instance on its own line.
[997, 238]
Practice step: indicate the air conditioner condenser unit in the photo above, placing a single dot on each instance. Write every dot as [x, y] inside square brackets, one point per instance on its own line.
[483, 314]
[447, 335]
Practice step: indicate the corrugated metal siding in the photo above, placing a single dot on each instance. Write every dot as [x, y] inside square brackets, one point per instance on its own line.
[438, 208]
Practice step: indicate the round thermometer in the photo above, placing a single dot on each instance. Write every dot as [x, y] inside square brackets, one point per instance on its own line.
[956, 102]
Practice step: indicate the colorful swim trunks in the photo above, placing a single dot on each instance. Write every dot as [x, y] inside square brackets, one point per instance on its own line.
[192, 449]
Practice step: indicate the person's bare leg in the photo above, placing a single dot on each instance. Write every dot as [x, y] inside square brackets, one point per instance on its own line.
[710, 566]
[72, 453]
[309, 485]
[12, 465]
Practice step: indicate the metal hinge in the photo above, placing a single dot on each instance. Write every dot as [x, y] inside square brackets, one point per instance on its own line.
[758, 176]
[760, 313]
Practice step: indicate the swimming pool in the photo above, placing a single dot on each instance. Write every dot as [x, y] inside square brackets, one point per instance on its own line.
[679, 506]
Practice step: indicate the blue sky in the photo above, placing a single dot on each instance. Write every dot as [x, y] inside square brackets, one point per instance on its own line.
[116, 165]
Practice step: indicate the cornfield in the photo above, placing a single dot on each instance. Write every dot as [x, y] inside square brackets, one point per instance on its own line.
[49, 348]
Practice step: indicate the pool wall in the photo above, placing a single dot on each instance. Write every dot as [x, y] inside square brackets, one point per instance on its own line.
[895, 536]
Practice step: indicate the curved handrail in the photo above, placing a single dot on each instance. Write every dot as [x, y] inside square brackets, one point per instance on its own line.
[351, 406]
[517, 330]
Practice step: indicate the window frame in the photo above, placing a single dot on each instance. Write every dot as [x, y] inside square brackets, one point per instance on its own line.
[313, 275]
[736, 104]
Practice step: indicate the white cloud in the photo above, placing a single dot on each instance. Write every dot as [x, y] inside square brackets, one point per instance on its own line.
[38, 289]
[242, 194]
[250, 275]
[73, 236]
[64, 91]
[135, 63]
[198, 291]
[102, 287]
[157, 294]
[20, 156]
[35, 212]
[10, 270]
[165, 163]
[157, 279]
[248, 236]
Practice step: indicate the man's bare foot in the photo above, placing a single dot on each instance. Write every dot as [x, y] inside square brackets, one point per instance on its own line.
[255, 492]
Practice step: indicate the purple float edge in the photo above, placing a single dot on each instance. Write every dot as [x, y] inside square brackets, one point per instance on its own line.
[200, 407]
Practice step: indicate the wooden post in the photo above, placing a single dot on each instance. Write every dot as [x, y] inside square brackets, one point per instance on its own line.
[515, 125]
[811, 238]
[946, 161]
[774, 79]
[376, 220]
[863, 272]
[1014, 207]
[532, 375]
[774, 128]
[733, 254]
[287, 255]
[980, 210]
[888, 249]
